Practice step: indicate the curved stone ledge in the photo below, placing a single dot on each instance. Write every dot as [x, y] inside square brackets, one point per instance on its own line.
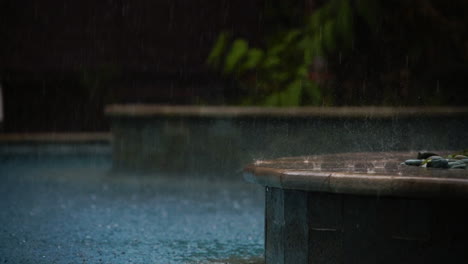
[380, 174]
[145, 110]
[362, 208]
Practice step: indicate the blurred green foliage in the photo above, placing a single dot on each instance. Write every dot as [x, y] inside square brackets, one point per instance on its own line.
[279, 74]
[355, 52]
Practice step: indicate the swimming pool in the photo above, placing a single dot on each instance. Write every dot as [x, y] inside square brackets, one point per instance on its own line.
[75, 209]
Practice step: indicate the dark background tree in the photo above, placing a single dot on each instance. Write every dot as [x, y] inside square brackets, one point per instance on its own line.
[417, 54]
[361, 52]
[62, 61]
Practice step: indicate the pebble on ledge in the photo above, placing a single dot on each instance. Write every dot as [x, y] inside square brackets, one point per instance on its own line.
[432, 160]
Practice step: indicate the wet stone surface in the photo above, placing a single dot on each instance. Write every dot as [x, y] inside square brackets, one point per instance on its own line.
[362, 208]
[380, 174]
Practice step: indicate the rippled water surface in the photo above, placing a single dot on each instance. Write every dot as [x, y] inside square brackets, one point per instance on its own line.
[74, 209]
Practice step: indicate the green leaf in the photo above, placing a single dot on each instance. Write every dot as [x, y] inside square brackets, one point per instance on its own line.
[281, 76]
[291, 35]
[308, 51]
[271, 61]
[292, 95]
[238, 49]
[315, 20]
[216, 53]
[302, 71]
[316, 47]
[344, 24]
[328, 39]
[276, 49]
[254, 56]
[312, 89]
[272, 100]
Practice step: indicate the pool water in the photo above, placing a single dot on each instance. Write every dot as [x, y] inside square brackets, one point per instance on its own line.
[75, 209]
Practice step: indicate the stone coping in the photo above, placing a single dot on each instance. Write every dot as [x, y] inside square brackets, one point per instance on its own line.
[48, 137]
[150, 110]
[379, 174]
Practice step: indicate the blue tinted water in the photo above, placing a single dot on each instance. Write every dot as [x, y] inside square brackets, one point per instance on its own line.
[74, 209]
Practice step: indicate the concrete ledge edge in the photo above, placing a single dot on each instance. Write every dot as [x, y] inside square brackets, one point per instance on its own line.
[152, 110]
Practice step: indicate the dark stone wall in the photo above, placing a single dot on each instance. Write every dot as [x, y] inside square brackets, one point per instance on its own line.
[314, 228]
[136, 51]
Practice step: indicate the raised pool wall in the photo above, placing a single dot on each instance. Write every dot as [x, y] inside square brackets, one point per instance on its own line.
[362, 208]
[221, 140]
[57, 144]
